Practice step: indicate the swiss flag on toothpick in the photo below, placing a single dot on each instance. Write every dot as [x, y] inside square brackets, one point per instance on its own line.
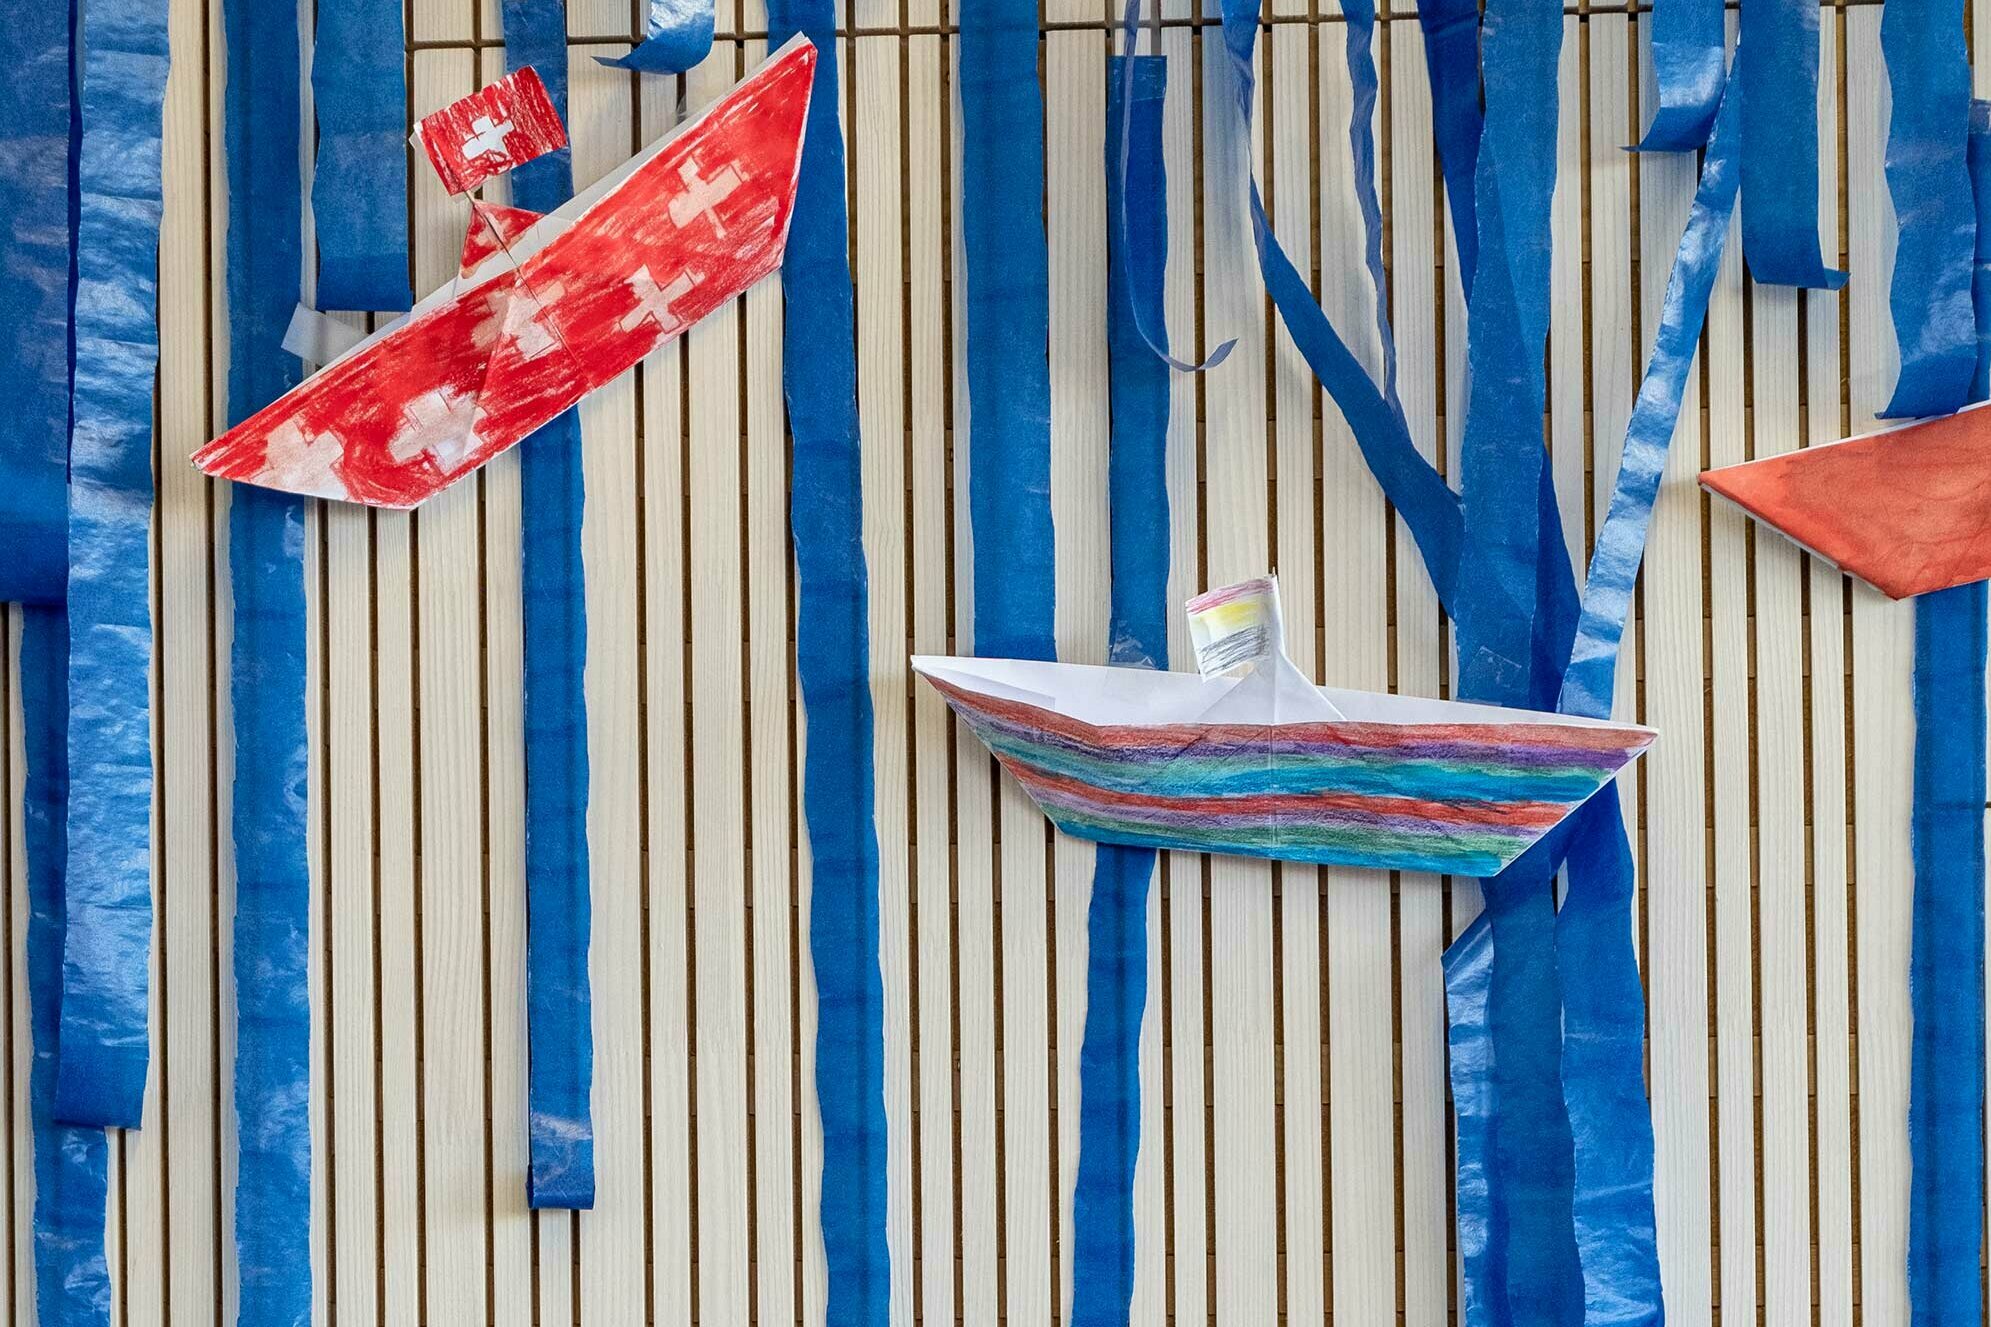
[492, 130]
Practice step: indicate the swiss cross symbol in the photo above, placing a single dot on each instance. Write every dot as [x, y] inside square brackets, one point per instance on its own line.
[654, 301]
[440, 423]
[304, 461]
[486, 137]
[515, 311]
[701, 198]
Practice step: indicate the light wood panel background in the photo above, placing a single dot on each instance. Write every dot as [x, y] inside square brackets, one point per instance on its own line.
[1295, 1156]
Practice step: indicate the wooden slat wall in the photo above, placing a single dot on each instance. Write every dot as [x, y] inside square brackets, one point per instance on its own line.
[1296, 1163]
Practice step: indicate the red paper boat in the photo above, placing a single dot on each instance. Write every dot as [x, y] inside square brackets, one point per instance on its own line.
[550, 312]
[1908, 511]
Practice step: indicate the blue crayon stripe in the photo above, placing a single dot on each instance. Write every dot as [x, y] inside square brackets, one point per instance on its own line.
[266, 690]
[1103, 1230]
[1009, 311]
[1780, 145]
[1946, 961]
[826, 512]
[107, 941]
[359, 182]
[679, 34]
[1928, 178]
[559, 912]
[1687, 62]
[72, 1277]
[35, 123]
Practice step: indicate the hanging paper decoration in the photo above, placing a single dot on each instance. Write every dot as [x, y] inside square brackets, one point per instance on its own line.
[680, 35]
[107, 940]
[1687, 63]
[1904, 510]
[267, 670]
[832, 661]
[359, 180]
[574, 303]
[1780, 145]
[1451, 63]
[560, 1167]
[493, 130]
[1109, 1127]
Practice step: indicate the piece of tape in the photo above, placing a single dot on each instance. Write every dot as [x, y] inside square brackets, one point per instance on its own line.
[319, 338]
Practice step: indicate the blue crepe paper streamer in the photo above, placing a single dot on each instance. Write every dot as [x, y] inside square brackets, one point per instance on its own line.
[35, 127]
[1780, 146]
[266, 688]
[832, 656]
[1589, 682]
[1980, 190]
[680, 35]
[1929, 180]
[1687, 60]
[1009, 311]
[72, 1277]
[1468, 965]
[107, 941]
[1109, 1129]
[1451, 62]
[359, 183]
[559, 1005]
[1503, 455]
[1946, 963]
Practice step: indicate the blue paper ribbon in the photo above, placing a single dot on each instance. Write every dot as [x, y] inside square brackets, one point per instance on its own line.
[1946, 962]
[72, 1276]
[832, 657]
[266, 689]
[107, 941]
[1451, 63]
[559, 1005]
[680, 35]
[1780, 145]
[1590, 680]
[1109, 1129]
[1929, 180]
[35, 125]
[1009, 310]
[359, 184]
[1687, 59]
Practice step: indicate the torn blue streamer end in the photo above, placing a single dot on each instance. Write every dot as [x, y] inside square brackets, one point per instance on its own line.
[679, 34]
[1946, 959]
[1928, 178]
[1590, 680]
[266, 686]
[1008, 317]
[1109, 1130]
[832, 657]
[560, 1171]
[35, 124]
[107, 942]
[1688, 62]
[1780, 145]
[72, 1275]
[359, 182]
[1451, 63]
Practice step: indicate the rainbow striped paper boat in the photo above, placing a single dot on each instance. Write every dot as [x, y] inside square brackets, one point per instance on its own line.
[1176, 760]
